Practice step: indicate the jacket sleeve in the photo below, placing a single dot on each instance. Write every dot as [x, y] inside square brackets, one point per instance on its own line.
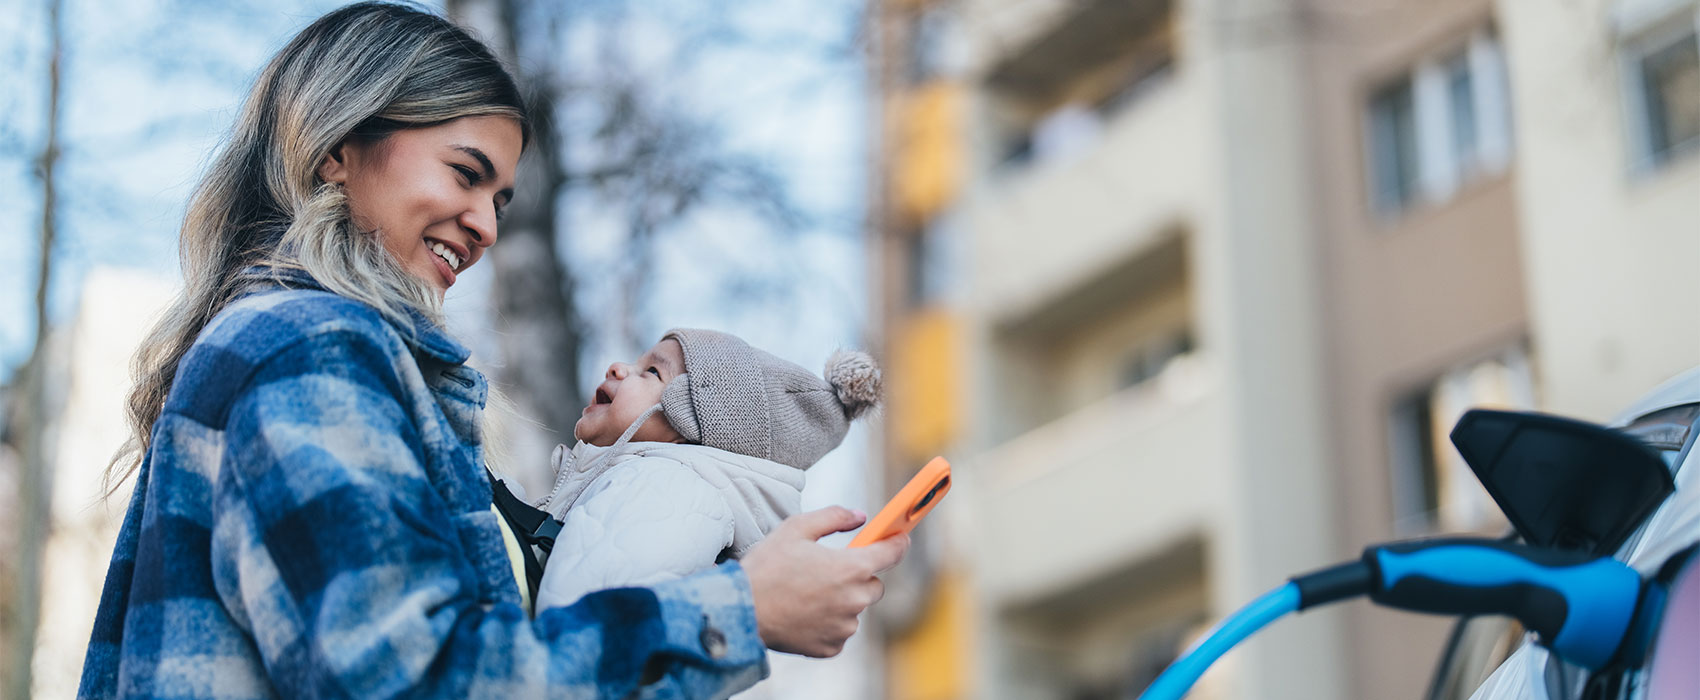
[642, 522]
[334, 551]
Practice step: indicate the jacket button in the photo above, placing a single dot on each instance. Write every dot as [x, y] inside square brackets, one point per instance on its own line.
[713, 640]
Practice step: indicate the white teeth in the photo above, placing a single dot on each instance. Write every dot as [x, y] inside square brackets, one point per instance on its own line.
[447, 255]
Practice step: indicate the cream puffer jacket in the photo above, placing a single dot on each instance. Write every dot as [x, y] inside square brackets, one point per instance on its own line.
[639, 513]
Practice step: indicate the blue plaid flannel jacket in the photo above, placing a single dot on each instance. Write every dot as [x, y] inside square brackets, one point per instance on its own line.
[312, 520]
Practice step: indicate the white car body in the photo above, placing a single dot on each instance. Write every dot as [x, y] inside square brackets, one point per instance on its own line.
[1530, 672]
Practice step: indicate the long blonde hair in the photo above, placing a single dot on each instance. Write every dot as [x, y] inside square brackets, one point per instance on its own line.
[359, 73]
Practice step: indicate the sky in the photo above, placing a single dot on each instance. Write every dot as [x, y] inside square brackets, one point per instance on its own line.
[150, 87]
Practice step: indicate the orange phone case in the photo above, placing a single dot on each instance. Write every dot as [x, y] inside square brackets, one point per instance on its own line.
[914, 502]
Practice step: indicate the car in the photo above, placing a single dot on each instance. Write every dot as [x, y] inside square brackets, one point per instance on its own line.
[1661, 548]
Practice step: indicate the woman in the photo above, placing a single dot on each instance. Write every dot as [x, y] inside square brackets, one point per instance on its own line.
[311, 515]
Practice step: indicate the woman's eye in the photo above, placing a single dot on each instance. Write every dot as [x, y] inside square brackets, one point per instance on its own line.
[471, 175]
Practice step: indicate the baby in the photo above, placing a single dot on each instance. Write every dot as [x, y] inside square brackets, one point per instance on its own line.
[688, 457]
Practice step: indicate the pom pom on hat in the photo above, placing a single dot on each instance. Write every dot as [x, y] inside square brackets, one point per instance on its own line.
[855, 378]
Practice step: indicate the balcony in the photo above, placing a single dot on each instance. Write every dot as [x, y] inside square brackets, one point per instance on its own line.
[1116, 482]
[1040, 227]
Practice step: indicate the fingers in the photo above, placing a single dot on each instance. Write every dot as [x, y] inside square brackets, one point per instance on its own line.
[816, 524]
[886, 553]
[842, 623]
[808, 597]
[833, 643]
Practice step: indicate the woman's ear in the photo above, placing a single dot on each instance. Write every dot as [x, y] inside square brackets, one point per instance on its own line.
[334, 168]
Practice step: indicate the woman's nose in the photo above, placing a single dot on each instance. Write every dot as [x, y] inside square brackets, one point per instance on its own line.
[479, 222]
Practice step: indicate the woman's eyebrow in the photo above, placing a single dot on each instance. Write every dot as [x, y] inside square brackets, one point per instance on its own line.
[483, 160]
[489, 167]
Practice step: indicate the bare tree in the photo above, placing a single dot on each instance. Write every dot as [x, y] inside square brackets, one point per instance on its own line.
[656, 167]
[22, 610]
[78, 208]
[653, 162]
[533, 296]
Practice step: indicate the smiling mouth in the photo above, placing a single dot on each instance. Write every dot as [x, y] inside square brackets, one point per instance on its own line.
[442, 251]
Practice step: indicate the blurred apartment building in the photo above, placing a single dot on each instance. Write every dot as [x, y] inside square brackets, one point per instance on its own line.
[1192, 291]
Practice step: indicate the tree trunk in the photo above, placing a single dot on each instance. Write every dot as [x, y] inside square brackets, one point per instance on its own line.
[532, 295]
[35, 502]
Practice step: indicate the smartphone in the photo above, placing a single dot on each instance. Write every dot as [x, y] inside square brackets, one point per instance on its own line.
[912, 503]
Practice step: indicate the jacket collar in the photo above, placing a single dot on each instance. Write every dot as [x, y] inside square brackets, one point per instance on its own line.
[423, 337]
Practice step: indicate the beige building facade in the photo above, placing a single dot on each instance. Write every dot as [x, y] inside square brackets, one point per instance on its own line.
[1205, 284]
[1422, 287]
[1609, 193]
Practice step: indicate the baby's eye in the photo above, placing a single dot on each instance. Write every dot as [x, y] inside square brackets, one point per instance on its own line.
[654, 371]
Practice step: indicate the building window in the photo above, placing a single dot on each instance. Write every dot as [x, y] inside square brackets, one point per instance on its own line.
[1148, 360]
[1432, 488]
[1438, 127]
[1462, 113]
[1050, 101]
[1128, 327]
[1416, 472]
[1662, 86]
[1393, 147]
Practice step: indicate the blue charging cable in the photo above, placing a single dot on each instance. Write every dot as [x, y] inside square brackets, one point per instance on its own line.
[1179, 676]
[1587, 610]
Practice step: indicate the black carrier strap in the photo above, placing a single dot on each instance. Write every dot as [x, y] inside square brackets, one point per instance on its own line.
[531, 526]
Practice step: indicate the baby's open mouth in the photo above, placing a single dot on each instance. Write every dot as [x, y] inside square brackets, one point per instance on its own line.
[603, 396]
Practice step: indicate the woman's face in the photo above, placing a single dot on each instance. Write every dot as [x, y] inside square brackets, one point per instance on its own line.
[434, 194]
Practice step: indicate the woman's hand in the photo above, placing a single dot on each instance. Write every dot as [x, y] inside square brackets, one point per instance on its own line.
[807, 596]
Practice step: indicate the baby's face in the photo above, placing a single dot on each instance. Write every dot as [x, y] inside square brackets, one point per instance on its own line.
[629, 389]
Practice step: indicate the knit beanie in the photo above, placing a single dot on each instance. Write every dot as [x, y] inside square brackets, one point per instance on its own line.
[740, 399]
